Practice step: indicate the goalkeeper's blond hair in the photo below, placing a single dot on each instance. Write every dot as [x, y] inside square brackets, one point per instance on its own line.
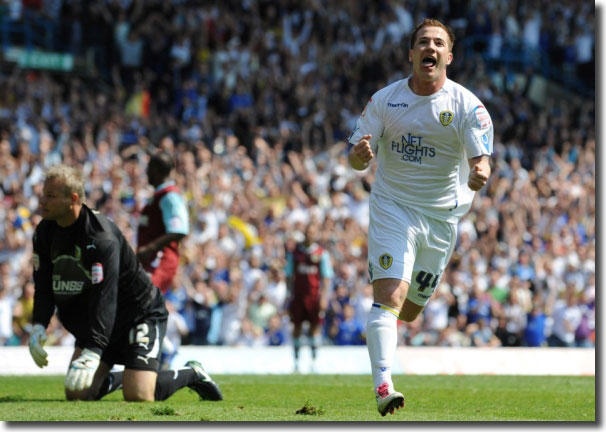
[70, 177]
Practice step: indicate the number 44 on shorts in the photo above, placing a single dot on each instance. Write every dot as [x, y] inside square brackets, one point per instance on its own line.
[426, 280]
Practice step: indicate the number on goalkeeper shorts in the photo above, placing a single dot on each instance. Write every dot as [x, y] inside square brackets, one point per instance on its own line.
[139, 335]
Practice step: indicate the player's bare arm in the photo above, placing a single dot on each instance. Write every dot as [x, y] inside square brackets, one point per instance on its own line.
[324, 294]
[361, 154]
[148, 251]
[479, 172]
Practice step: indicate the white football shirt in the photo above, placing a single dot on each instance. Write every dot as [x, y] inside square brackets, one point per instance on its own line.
[422, 144]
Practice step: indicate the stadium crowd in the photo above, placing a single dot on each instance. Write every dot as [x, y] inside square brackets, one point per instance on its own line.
[256, 100]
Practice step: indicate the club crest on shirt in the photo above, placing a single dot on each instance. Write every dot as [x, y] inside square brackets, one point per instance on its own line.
[446, 117]
[385, 260]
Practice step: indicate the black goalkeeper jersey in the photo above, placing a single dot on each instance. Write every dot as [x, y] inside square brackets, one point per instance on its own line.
[91, 274]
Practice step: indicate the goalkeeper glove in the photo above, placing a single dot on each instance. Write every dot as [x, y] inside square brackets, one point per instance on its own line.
[37, 338]
[82, 370]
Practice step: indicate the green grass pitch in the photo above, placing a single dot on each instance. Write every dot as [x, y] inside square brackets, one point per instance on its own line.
[254, 398]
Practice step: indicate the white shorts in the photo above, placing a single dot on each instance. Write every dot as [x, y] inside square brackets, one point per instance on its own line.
[406, 244]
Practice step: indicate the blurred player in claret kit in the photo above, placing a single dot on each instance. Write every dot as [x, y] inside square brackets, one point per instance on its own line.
[162, 225]
[85, 268]
[309, 273]
[432, 139]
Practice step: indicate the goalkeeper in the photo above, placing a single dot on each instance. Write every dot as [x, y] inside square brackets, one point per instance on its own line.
[84, 267]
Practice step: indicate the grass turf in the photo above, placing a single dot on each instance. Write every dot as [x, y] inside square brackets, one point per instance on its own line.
[253, 398]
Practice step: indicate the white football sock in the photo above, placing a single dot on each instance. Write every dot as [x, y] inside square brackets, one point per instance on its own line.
[382, 341]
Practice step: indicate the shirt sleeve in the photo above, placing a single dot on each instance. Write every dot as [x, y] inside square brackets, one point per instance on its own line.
[103, 301]
[369, 122]
[290, 265]
[478, 132]
[174, 214]
[326, 269]
[44, 305]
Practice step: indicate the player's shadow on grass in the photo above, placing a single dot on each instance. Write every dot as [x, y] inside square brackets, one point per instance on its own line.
[18, 398]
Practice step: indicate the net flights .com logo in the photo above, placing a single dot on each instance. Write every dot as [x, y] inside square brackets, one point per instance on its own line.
[412, 149]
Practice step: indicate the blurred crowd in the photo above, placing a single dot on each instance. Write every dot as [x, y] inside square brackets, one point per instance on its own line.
[256, 100]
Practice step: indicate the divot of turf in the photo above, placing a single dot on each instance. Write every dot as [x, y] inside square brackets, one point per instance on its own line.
[166, 410]
[308, 409]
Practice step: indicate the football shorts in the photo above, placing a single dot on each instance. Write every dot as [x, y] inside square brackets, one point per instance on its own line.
[305, 309]
[406, 244]
[139, 347]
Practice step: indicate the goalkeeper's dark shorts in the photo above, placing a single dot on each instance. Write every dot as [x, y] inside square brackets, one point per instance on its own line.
[139, 347]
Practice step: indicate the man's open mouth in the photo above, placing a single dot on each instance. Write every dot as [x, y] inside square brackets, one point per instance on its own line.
[429, 61]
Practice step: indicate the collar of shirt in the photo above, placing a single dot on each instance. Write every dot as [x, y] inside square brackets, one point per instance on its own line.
[165, 185]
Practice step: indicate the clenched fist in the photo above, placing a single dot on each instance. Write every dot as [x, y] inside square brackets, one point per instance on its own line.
[361, 154]
[479, 173]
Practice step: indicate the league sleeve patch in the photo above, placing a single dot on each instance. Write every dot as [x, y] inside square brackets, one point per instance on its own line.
[176, 224]
[482, 117]
[36, 260]
[97, 273]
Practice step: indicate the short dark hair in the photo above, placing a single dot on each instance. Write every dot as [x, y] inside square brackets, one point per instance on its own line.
[430, 22]
[163, 162]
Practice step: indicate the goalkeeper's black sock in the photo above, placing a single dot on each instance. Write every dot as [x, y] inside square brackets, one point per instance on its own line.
[169, 381]
[111, 383]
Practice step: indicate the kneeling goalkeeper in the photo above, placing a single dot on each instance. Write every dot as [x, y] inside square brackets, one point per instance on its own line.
[85, 268]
